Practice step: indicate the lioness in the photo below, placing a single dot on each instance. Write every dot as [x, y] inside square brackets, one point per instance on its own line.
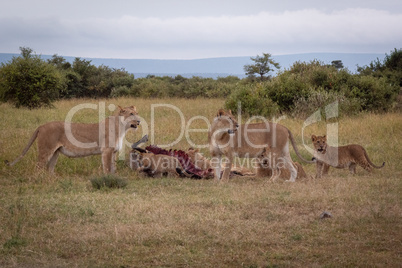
[340, 157]
[79, 139]
[227, 138]
[158, 164]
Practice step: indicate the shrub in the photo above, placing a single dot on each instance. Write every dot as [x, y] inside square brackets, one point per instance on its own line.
[285, 89]
[180, 87]
[305, 83]
[120, 91]
[376, 94]
[29, 81]
[306, 106]
[253, 101]
[86, 80]
[15, 242]
[390, 68]
[150, 87]
[108, 181]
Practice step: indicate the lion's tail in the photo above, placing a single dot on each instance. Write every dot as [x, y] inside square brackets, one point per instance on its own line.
[371, 163]
[31, 141]
[296, 150]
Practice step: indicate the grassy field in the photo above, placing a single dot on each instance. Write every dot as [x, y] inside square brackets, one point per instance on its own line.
[60, 221]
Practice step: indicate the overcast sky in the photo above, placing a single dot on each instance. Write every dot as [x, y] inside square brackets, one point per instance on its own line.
[157, 29]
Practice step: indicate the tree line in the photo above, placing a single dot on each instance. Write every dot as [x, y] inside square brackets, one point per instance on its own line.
[29, 81]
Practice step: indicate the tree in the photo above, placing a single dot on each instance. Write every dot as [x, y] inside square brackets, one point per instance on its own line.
[81, 79]
[390, 68]
[29, 81]
[262, 65]
[26, 52]
[59, 62]
[394, 60]
[337, 64]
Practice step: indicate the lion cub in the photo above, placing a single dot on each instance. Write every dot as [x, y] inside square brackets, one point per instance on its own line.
[158, 164]
[340, 157]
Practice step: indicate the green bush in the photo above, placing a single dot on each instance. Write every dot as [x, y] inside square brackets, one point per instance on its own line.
[179, 87]
[376, 94]
[154, 87]
[390, 68]
[306, 87]
[74, 89]
[86, 80]
[252, 100]
[306, 106]
[285, 89]
[30, 82]
[120, 92]
[108, 181]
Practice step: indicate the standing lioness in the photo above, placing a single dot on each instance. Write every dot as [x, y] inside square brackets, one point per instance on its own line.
[347, 156]
[79, 139]
[227, 138]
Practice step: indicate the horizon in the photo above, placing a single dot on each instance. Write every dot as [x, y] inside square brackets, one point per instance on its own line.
[214, 67]
[192, 59]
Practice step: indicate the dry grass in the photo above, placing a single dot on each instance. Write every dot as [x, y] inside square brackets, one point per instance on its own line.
[60, 221]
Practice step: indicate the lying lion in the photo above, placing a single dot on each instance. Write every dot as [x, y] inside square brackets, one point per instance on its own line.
[79, 139]
[268, 167]
[340, 157]
[159, 164]
[198, 159]
[204, 163]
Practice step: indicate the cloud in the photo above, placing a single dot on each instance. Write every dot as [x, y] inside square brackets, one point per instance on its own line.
[310, 30]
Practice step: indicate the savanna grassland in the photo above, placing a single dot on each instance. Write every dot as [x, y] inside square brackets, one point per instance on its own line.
[61, 221]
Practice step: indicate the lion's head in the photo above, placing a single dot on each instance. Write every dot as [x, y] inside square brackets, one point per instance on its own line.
[130, 115]
[320, 143]
[263, 157]
[198, 159]
[226, 121]
[194, 154]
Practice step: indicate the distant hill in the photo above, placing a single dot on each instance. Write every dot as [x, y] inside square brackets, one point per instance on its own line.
[216, 67]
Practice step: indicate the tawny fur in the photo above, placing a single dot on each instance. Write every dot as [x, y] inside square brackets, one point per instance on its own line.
[227, 138]
[204, 163]
[198, 159]
[348, 156]
[80, 140]
[266, 167]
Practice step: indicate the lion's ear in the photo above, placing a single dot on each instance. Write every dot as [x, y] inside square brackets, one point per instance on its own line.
[325, 137]
[196, 150]
[221, 112]
[230, 112]
[313, 137]
[121, 109]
